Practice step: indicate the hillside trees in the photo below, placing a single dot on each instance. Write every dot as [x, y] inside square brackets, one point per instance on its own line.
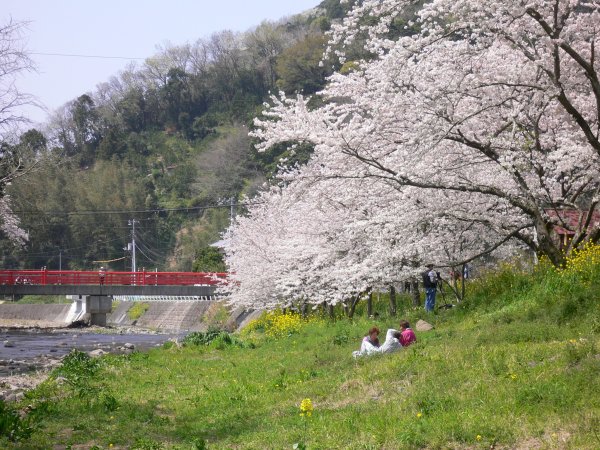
[477, 131]
[299, 67]
[176, 124]
[79, 213]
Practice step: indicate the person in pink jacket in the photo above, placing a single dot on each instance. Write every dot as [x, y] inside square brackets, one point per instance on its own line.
[407, 334]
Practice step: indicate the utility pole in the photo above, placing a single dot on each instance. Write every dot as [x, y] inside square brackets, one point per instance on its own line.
[231, 210]
[132, 223]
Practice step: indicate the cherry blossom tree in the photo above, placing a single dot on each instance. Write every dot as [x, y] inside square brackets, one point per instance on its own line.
[324, 239]
[498, 101]
[470, 136]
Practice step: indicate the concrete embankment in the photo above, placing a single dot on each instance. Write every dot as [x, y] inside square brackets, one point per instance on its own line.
[163, 315]
[189, 316]
[167, 316]
[43, 316]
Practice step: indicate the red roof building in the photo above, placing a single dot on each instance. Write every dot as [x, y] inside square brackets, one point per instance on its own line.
[570, 221]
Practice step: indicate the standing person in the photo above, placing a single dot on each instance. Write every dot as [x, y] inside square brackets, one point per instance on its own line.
[430, 285]
[102, 275]
[407, 336]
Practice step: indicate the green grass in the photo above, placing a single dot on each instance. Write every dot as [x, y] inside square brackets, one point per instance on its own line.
[45, 299]
[515, 366]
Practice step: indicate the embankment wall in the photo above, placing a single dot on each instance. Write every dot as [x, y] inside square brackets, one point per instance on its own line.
[35, 315]
[171, 316]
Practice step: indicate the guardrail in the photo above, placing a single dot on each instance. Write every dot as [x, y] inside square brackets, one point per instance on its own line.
[75, 278]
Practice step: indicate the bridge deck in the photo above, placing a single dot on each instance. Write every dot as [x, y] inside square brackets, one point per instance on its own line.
[48, 282]
[30, 289]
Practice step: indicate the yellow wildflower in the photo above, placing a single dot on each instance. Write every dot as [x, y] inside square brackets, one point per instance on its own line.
[306, 407]
[478, 437]
[419, 415]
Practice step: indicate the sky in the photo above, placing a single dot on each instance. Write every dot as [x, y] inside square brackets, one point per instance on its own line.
[118, 28]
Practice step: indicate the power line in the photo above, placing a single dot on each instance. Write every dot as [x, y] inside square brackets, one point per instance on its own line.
[143, 246]
[147, 257]
[75, 55]
[55, 251]
[132, 211]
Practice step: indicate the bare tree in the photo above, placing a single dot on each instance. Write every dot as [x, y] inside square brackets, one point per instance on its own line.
[14, 60]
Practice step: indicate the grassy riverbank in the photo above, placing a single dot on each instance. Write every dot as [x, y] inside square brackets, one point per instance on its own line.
[516, 366]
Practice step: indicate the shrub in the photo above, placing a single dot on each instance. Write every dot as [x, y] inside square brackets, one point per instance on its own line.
[220, 339]
[77, 367]
[12, 426]
[137, 310]
[200, 337]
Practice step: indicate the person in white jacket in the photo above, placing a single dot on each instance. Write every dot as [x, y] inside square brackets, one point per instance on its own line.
[391, 344]
[369, 344]
[392, 341]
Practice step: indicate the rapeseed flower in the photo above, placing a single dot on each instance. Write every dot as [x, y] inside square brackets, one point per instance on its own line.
[306, 407]
[582, 261]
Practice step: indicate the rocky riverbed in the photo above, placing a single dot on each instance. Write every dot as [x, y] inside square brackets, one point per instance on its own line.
[27, 355]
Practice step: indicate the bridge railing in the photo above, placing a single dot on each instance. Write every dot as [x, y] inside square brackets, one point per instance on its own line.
[74, 277]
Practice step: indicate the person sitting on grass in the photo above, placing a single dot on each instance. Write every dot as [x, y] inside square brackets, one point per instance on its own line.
[392, 341]
[407, 335]
[369, 344]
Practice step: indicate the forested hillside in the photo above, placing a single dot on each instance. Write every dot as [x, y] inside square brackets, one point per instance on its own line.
[165, 144]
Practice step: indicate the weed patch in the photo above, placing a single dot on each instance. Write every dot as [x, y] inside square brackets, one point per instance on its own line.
[12, 426]
[137, 310]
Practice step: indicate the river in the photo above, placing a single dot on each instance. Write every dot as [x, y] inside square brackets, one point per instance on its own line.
[34, 349]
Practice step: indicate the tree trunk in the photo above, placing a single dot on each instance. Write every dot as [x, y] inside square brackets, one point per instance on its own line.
[352, 308]
[304, 309]
[331, 311]
[370, 305]
[416, 295]
[546, 246]
[393, 309]
[464, 281]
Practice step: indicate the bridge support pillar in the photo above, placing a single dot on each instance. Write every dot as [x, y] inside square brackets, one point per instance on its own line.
[98, 306]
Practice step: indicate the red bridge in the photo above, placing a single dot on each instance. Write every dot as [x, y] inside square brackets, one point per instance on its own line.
[108, 284]
[78, 278]
[97, 288]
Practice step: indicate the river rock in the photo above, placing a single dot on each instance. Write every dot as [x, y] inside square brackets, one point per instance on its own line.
[128, 346]
[96, 353]
[423, 326]
[14, 396]
[8, 343]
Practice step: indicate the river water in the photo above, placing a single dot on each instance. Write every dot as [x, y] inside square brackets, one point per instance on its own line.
[26, 350]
